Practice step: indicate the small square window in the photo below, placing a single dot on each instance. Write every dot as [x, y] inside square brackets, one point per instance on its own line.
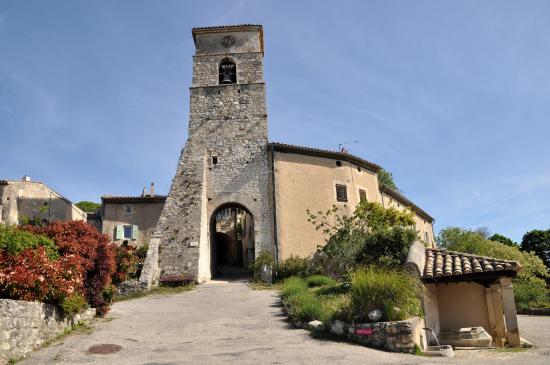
[362, 195]
[128, 209]
[341, 193]
[127, 231]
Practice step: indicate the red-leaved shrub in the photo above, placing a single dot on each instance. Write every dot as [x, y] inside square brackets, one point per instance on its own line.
[93, 248]
[127, 262]
[31, 275]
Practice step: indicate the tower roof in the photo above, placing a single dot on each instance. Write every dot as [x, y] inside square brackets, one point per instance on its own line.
[230, 28]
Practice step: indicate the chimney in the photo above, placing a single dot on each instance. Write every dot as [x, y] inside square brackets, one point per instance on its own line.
[144, 192]
[26, 178]
[152, 191]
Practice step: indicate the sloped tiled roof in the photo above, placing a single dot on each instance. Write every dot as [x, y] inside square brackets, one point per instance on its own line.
[133, 199]
[405, 201]
[289, 148]
[443, 264]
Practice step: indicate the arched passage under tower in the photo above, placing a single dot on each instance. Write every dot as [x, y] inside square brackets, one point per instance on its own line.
[232, 242]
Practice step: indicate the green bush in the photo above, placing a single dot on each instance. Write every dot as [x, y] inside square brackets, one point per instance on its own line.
[292, 286]
[319, 280]
[292, 266]
[304, 306]
[395, 292]
[141, 251]
[531, 293]
[74, 304]
[336, 306]
[14, 241]
[264, 258]
[372, 235]
[388, 247]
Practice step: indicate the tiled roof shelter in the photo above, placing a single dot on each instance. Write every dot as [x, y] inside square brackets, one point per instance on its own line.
[449, 264]
[466, 291]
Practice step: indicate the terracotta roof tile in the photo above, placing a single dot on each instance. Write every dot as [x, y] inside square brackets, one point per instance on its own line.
[442, 263]
[405, 201]
[133, 199]
[309, 151]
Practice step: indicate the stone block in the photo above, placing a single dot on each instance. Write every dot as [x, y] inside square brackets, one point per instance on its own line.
[339, 328]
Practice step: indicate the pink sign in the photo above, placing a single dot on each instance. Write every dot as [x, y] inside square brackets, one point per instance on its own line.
[363, 331]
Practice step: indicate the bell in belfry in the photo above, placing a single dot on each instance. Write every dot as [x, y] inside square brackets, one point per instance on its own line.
[227, 73]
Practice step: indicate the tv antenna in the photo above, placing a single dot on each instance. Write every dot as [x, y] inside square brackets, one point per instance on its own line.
[341, 145]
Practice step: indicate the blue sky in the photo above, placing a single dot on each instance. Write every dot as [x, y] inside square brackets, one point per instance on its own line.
[452, 97]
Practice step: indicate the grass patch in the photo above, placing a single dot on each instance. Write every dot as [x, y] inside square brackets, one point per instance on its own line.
[306, 304]
[319, 280]
[394, 291]
[305, 307]
[511, 349]
[260, 285]
[159, 290]
[80, 328]
[293, 286]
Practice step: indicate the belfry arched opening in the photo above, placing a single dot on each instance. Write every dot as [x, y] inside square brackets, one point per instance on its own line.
[232, 241]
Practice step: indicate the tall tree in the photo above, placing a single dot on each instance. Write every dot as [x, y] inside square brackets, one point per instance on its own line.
[503, 239]
[87, 206]
[538, 241]
[386, 178]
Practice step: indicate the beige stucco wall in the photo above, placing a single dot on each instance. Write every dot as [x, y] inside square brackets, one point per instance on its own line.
[32, 199]
[308, 182]
[144, 215]
[462, 305]
[431, 308]
[422, 225]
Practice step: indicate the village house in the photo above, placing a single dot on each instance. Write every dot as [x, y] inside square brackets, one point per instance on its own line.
[26, 200]
[130, 219]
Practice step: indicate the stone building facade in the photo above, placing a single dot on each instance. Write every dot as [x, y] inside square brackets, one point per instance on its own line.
[26, 199]
[130, 219]
[227, 161]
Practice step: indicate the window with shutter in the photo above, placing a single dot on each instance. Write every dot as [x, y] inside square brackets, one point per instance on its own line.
[127, 231]
[135, 232]
[119, 232]
[341, 193]
[362, 195]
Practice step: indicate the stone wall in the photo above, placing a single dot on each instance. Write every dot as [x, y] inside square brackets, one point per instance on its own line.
[25, 326]
[399, 336]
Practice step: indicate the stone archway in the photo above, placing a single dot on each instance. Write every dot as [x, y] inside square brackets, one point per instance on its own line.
[232, 241]
[225, 199]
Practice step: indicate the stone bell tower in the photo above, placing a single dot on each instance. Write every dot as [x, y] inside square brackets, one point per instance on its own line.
[225, 159]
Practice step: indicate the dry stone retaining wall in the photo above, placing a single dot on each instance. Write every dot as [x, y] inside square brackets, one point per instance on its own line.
[396, 336]
[25, 326]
